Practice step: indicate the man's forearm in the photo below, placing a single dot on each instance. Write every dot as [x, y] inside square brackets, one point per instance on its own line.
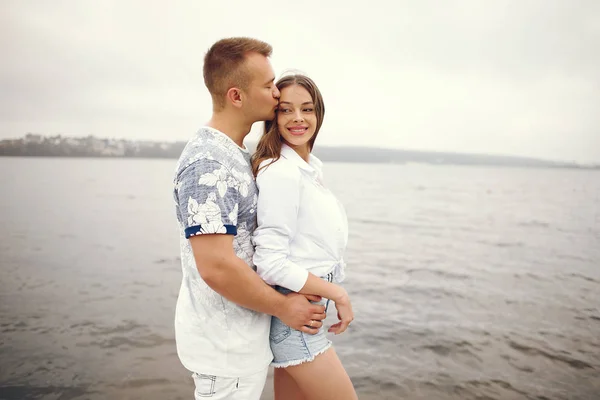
[237, 282]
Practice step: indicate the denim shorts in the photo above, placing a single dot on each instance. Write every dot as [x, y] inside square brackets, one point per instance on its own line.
[292, 347]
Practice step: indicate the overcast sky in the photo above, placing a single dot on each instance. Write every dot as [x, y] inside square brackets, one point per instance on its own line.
[483, 76]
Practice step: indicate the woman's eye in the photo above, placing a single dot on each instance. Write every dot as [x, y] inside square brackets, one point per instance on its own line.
[308, 110]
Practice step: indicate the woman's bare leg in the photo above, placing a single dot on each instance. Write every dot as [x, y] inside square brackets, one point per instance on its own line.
[285, 387]
[324, 378]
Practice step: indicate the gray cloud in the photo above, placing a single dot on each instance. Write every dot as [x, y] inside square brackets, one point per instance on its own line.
[512, 77]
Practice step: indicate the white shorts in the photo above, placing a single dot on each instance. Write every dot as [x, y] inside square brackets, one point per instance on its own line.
[221, 388]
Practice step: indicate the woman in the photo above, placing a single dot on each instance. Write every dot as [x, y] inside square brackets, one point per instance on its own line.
[301, 235]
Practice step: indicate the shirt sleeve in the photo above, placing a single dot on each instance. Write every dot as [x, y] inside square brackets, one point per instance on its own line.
[206, 199]
[277, 215]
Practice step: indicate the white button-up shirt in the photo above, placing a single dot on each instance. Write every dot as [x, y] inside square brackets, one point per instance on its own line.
[302, 227]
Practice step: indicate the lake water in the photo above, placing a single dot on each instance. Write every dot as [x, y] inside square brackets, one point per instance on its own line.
[467, 282]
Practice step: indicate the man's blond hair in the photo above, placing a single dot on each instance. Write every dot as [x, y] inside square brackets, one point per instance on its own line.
[224, 65]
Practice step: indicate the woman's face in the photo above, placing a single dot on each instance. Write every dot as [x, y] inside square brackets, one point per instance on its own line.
[296, 118]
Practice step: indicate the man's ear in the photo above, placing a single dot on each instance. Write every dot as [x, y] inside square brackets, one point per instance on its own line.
[234, 96]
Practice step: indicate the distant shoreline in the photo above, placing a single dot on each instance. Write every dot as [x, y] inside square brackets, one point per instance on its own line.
[92, 147]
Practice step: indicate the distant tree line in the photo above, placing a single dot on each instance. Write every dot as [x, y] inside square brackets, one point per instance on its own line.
[90, 146]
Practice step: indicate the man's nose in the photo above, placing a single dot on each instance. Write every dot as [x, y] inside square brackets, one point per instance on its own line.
[276, 93]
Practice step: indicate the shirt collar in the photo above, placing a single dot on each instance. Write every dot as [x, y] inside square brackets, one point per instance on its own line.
[313, 166]
[225, 137]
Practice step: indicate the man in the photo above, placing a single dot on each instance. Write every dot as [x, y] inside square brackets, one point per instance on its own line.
[224, 309]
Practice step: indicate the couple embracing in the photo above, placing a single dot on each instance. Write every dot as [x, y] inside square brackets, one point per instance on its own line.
[262, 238]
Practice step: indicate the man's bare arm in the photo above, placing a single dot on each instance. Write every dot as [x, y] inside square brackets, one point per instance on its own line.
[231, 277]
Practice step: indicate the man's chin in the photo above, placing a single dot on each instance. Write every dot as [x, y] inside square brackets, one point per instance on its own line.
[270, 117]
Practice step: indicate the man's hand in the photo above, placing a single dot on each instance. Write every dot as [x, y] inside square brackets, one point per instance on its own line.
[299, 313]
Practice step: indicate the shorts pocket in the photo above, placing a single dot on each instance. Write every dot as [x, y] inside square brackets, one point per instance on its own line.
[205, 384]
[279, 331]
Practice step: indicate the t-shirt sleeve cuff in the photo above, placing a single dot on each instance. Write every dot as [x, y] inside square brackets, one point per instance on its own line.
[209, 229]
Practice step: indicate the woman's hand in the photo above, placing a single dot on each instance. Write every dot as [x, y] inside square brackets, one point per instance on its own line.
[344, 312]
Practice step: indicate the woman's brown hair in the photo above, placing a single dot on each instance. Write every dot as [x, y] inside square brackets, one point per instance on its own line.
[269, 145]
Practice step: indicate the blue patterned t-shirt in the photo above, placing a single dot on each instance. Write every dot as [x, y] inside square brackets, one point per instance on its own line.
[215, 193]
